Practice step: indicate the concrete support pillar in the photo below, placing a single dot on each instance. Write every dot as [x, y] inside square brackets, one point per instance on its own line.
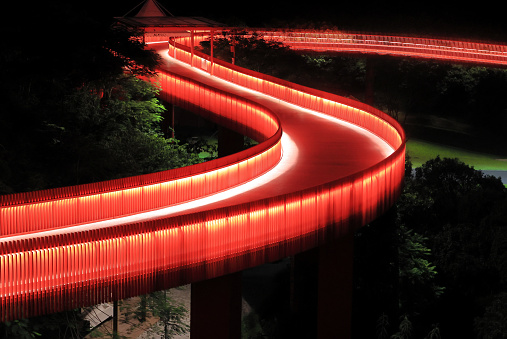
[215, 309]
[335, 289]
[229, 141]
[304, 293]
[323, 287]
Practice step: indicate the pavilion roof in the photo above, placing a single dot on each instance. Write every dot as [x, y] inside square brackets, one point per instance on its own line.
[169, 22]
[152, 14]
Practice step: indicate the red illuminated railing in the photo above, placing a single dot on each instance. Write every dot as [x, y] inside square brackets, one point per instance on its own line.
[430, 48]
[61, 207]
[52, 258]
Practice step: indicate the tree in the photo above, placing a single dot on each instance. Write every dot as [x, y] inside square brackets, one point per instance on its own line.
[395, 279]
[461, 213]
[91, 134]
[493, 323]
[122, 126]
[418, 288]
[170, 314]
[254, 52]
[62, 325]
[77, 112]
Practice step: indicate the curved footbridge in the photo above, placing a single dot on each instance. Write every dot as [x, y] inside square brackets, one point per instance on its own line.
[324, 166]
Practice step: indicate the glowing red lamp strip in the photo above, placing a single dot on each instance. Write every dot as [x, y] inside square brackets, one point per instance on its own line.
[42, 210]
[467, 51]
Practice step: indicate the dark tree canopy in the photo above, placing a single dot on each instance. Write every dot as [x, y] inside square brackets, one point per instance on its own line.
[73, 109]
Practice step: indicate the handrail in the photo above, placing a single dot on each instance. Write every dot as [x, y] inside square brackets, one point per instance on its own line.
[432, 48]
[73, 205]
[464, 50]
[324, 102]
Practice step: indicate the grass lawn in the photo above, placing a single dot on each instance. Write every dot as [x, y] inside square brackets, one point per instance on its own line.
[422, 151]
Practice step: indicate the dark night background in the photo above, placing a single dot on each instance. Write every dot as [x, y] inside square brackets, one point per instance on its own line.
[429, 17]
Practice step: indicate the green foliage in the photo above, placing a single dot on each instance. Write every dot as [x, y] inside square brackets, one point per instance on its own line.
[206, 147]
[171, 315]
[460, 214]
[122, 126]
[76, 112]
[69, 324]
[445, 89]
[21, 329]
[434, 333]
[493, 323]
[90, 134]
[450, 235]
[340, 75]
[404, 329]
[382, 326]
[251, 327]
[417, 274]
[456, 191]
[413, 266]
[254, 52]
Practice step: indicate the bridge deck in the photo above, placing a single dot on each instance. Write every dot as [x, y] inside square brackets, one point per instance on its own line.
[296, 205]
[317, 149]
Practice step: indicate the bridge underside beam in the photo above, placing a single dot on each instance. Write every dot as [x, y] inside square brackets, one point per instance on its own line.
[323, 286]
[215, 309]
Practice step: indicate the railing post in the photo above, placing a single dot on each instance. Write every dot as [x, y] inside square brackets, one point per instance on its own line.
[211, 56]
[192, 48]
